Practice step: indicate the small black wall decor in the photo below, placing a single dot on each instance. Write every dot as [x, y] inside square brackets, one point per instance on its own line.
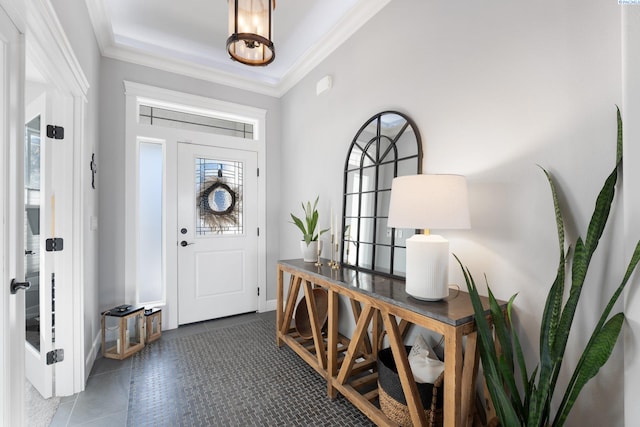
[93, 166]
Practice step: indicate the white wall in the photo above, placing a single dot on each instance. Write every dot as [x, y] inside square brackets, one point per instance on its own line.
[112, 160]
[495, 88]
[74, 17]
[631, 104]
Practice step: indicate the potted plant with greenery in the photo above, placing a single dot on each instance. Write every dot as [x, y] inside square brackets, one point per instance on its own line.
[309, 245]
[530, 404]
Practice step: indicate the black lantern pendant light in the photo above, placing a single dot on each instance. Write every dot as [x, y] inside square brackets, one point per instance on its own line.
[249, 39]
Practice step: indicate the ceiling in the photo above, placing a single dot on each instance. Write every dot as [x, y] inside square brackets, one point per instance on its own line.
[189, 37]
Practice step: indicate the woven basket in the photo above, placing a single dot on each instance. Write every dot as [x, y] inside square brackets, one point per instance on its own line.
[391, 396]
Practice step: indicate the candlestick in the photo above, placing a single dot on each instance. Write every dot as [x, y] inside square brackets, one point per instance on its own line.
[331, 222]
[318, 263]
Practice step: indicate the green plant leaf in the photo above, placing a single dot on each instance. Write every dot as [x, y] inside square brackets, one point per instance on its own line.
[308, 227]
[298, 222]
[600, 214]
[526, 383]
[619, 142]
[594, 357]
[490, 362]
[633, 263]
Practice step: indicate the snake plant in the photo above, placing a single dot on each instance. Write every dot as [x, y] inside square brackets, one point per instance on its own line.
[530, 404]
[308, 227]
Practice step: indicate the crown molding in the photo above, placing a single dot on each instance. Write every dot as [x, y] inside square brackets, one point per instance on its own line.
[101, 22]
[344, 29]
[190, 69]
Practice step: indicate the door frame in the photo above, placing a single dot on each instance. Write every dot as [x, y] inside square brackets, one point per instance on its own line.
[136, 93]
[48, 48]
[12, 330]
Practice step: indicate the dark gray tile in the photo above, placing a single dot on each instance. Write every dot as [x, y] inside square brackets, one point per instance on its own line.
[105, 394]
[182, 331]
[61, 418]
[115, 420]
[104, 364]
[72, 398]
[224, 372]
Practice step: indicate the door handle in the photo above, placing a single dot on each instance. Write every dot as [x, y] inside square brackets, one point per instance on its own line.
[29, 253]
[184, 243]
[16, 286]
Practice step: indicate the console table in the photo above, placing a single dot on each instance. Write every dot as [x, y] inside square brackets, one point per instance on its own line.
[379, 304]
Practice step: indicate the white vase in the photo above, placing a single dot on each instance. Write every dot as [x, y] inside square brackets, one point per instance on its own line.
[310, 252]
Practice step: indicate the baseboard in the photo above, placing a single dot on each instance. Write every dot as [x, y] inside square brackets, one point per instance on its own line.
[270, 305]
[91, 357]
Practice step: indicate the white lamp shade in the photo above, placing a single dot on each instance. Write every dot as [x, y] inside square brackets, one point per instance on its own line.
[429, 201]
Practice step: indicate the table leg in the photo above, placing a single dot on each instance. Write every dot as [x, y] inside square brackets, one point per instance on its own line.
[332, 332]
[354, 345]
[452, 377]
[469, 375]
[409, 387]
[294, 287]
[316, 328]
[279, 304]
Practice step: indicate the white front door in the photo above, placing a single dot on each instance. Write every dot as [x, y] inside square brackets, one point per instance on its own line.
[11, 222]
[217, 232]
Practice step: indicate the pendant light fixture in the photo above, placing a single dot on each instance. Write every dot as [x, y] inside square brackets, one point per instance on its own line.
[249, 39]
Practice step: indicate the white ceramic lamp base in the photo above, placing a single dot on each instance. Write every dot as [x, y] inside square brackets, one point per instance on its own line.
[427, 267]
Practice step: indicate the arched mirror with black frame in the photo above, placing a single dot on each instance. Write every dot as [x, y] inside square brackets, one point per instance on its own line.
[388, 145]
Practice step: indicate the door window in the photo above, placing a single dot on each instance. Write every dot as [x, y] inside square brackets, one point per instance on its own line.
[218, 197]
[32, 230]
[150, 223]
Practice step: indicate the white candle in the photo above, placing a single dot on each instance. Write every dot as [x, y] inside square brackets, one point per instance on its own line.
[331, 224]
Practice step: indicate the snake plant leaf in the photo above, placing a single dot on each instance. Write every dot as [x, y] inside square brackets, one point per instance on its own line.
[298, 222]
[308, 227]
[619, 142]
[600, 213]
[553, 306]
[486, 347]
[593, 358]
[635, 258]
[579, 271]
[506, 359]
[519, 354]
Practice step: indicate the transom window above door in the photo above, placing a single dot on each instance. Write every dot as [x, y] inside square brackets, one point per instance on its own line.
[201, 122]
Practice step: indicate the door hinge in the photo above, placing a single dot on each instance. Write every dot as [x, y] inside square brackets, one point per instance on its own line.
[258, 290]
[55, 356]
[258, 172]
[55, 132]
[54, 245]
[258, 231]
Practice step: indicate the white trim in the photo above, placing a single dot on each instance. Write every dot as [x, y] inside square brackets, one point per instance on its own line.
[134, 93]
[101, 21]
[270, 305]
[93, 353]
[44, 26]
[259, 83]
[12, 333]
[49, 47]
[347, 26]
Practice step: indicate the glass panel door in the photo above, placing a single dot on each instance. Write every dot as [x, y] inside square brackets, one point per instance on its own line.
[32, 169]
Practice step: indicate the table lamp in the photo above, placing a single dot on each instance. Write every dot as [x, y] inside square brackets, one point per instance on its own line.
[428, 202]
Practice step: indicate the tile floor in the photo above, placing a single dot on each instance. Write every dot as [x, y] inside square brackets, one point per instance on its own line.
[106, 397]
